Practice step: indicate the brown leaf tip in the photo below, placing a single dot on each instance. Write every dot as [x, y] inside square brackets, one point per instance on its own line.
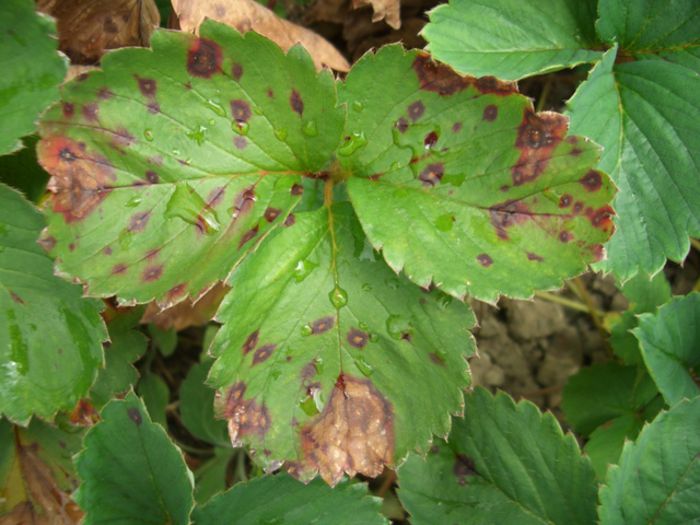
[245, 417]
[354, 434]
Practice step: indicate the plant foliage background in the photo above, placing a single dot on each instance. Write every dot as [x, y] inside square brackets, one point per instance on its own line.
[239, 286]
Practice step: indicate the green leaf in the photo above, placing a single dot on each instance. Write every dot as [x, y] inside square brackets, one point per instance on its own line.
[32, 70]
[50, 337]
[461, 184]
[130, 470]
[605, 443]
[325, 349]
[281, 499]
[22, 171]
[670, 343]
[503, 463]
[170, 164]
[649, 25]
[647, 116]
[658, 476]
[165, 340]
[197, 407]
[602, 392]
[210, 477]
[127, 345]
[511, 39]
[155, 395]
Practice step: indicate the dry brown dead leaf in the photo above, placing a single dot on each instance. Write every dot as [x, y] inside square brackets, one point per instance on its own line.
[86, 28]
[186, 313]
[248, 15]
[46, 503]
[387, 10]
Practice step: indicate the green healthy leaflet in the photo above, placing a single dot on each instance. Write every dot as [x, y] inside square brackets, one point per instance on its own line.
[330, 362]
[462, 185]
[503, 463]
[658, 476]
[649, 25]
[169, 164]
[32, 70]
[670, 344]
[646, 113]
[50, 337]
[512, 39]
[130, 470]
[281, 499]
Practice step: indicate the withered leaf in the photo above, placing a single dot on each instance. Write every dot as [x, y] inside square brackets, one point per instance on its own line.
[249, 15]
[87, 28]
[387, 10]
[187, 313]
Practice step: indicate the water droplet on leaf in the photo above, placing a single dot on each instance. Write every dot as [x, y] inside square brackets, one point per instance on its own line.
[357, 106]
[306, 330]
[398, 327]
[445, 222]
[310, 129]
[356, 141]
[197, 135]
[338, 297]
[148, 135]
[216, 108]
[303, 269]
[134, 201]
[186, 204]
[240, 127]
[363, 366]
[281, 134]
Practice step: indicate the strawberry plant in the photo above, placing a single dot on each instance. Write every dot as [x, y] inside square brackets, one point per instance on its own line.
[346, 225]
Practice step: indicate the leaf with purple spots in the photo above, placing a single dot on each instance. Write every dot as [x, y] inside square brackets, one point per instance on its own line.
[50, 337]
[169, 165]
[324, 348]
[461, 184]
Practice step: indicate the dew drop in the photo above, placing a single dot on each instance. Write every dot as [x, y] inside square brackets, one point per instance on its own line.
[398, 327]
[134, 201]
[308, 405]
[367, 287]
[186, 204]
[216, 108]
[240, 127]
[125, 238]
[148, 135]
[444, 301]
[373, 337]
[363, 366]
[358, 106]
[176, 152]
[197, 135]
[356, 141]
[392, 283]
[307, 330]
[310, 129]
[303, 269]
[338, 297]
[445, 222]
[281, 134]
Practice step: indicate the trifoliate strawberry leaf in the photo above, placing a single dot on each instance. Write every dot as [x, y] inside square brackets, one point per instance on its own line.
[32, 69]
[130, 470]
[460, 183]
[281, 499]
[670, 344]
[50, 337]
[646, 113]
[197, 407]
[126, 345]
[503, 463]
[155, 394]
[170, 164]
[649, 25]
[329, 361]
[658, 476]
[511, 39]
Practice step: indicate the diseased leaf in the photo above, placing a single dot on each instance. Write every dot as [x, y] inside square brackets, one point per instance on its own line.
[187, 313]
[249, 15]
[646, 114]
[171, 164]
[126, 346]
[658, 476]
[387, 10]
[649, 25]
[503, 463]
[330, 362]
[512, 39]
[670, 344]
[50, 337]
[88, 28]
[481, 188]
[293, 503]
[32, 70]
[130, 470]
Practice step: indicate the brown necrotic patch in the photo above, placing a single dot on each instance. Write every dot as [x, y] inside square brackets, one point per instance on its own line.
[290, 220]
[484, 259]
[240, 142]
[357, 338]
[354, 434]
[104, 93]
[176, 291]
[153, 107]
[250, 342]
[592, 181]
[246, 417]
[322, 325]
[203, 58]
[401, 125]
[271, 214]
[416, 110]
[119, 269]
[147, 86]
[68, 109]
[138, 221]
[263, 353]
[492, 86]
[240, 111]
[152, 273]
[79, 182]
[507, 214]
[463, 468]
[538, 135]
[432, 174]
[602, 218]
[90, 111]
[490, 113]
[534, 257]
[16, 298]
[152, 177]
[565, 236]
[244, 201]
[296, 189]
[134, 415]
[565, 200]
[296, 102]
[430, 139]
[247, 236]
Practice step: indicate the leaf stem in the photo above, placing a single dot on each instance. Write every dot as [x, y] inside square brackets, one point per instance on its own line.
[695, 243]
[569, 303]
[545, 93]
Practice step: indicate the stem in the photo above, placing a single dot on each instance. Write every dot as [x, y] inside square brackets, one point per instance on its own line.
[545, 93]
[387, 483]
[695, 243]
[569, 303]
